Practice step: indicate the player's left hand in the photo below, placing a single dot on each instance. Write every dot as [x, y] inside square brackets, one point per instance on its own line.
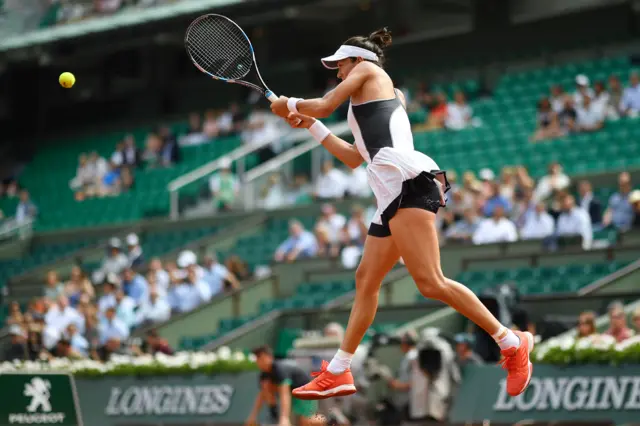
[284, 422]
[279, 107]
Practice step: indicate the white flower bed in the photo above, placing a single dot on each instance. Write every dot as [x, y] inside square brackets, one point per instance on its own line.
[594, 349]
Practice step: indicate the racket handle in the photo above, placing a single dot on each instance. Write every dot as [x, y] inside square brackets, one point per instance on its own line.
[271, 96]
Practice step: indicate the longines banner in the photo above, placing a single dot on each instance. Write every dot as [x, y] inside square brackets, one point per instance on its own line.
[219, 399]
[589, 393]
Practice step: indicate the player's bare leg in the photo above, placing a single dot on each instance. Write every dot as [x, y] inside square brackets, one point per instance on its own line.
[414, 233]
[378, 258]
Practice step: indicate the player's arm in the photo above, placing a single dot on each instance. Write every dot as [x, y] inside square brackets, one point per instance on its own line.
[284, 391]
[257, 405]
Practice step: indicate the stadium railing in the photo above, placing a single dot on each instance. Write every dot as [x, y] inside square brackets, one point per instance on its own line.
[11, 230]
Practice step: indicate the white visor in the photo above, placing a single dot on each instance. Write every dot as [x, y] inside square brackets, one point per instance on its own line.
[345, 52]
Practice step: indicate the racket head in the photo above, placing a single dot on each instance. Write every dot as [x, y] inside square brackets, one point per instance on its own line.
[217, 46]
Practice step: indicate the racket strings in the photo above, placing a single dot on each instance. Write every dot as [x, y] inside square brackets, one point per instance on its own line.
[219, 46]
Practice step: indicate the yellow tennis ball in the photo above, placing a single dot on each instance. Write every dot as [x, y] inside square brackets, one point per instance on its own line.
[67, 80]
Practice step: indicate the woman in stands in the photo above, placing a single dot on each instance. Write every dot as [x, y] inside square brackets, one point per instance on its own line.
[409, 188]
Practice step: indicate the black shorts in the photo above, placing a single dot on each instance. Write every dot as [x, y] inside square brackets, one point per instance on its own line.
[421, 192]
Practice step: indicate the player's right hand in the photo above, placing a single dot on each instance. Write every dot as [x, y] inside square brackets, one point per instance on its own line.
[299, 121]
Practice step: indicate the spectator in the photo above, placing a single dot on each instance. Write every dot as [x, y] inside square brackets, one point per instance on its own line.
[547, 122]
[152, 154]
[26, 209]
[169, 151]
[508, 184]
[601, 98]
[618, 323]
[353, 236]
[555, 180]
[156, 344]
[60, 315]
[586, 324]
[567, 117]
[495, 200]
[112, 327]
[300, 244]
[464, 351]
[108, 298]
[497, 229]
[135, 286]
[357, 184]
[464, 229]
[615, 98]
[538, 224]
[77, 342]
[130, 152]
[111, 183]
[14, 316]
[331, 183]
[36, 350]
[590, 203]
[523, 206]
[117, 157]
[125, 308]
[195, 135]
[78, 285]
[333, 222]
[162, 277]
[210, 127]
[53, 286]
[574, 221]
[326, 248]
[273, 193]
[224, 187]
[152, 283]
[134, 251]
[619, 213]
[84, 179]
[192, 293]
[155, 310]
[126, 179]
[636, 320]
[558, 96]
[112, 346]
[237, 267]
[402, 384]
[115, 262]
[262, 130]
[99, 167]
[582, 89]
[17, 349]
[487, 178]
[589, 116]
[459, 113]
[189, 260]
[217, 275]
[438, 113]
[630, 103]
[634, 200]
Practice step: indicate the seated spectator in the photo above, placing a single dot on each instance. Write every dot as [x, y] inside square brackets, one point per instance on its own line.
[495, 199]
[111, 183]
[590, 203]
[508, 184]
[217, 276]
[618, 323]
[357, 184]
[464, 350]
[131, 155]
[300, 244]
[567, 116]
[77, 341]
[326, 247]
[333, 222]
[590, 118]
[84, 179]
[554, 181]
[538, 224]
[300, 190]
[634, 200]
[134, 285]
[464, 229]
[169, 150]
[601, 98]
[17, 349]
[437, 113]
[331, 182]
[14, 317]
[155, 310]
[53, 286]
[224, 187]
[272, 195]
[230, 121]
[152, 154]
[112, 327]
[155, 344]
[195, 135]
[459, 113]
[353, 236]
[26, 209]
[557, 99]
[635, 317]
[210, 127]
[238, 267]
[35, 348]
[60, 315]
[630, 103]
[522, 207]
[574, 221]
[187, 259]
[615, 97]
[126, 179]
[586, 324]
[547, 122]
[117, 157]
[134, 251]
[583, 88]
[162, 277]
[114, 262]
[126, 308]
[189, 294]
[112, 346]
[108, 298]
[497, 229]
[619, 213]
[78, 285]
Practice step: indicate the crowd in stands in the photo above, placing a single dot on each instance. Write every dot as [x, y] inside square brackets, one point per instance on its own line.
[618, 324]
[96, 316]
[588, 108]
[26, 210]
[442, 114]
[68, 11]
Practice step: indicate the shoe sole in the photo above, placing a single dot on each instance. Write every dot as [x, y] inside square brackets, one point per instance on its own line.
[530, 342]
[342, 390]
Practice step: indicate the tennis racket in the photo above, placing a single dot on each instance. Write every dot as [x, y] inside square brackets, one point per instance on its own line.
[219, 48]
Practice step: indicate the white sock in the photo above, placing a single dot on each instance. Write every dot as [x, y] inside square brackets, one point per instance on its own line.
[340, 362]
[510, 340]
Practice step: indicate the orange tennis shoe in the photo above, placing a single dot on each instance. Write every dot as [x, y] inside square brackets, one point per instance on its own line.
[518, 365]
[326, 385]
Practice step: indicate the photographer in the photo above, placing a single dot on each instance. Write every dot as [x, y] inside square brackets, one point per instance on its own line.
[402, 384]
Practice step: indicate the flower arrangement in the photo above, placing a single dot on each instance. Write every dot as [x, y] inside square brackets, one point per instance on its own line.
[222, 361]
[595, 349]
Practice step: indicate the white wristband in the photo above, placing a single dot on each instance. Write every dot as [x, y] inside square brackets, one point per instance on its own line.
[319, 131]
[291, 104]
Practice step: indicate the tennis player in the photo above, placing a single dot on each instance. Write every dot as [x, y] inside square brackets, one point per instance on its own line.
[409, 188]
[277, 378]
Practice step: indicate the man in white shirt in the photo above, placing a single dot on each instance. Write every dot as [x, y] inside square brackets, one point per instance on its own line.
[300, 244]
[497, 229]
[61, 315]
[574, 221]
[630, 102]
[582, 89]
[217, 274]
[538, 224]
[155, 310]
[108, 298]
[458, 113]
[590, 117]
[162, 276]
[193, 293]
[189, 260]
[112, 327]
[331, 183]
[556, 180]
[332, 221]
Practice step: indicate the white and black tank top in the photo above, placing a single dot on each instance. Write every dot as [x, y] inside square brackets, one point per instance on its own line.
[380, 124]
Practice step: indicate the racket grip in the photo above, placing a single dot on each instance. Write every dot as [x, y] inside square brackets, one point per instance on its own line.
[271, 96]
